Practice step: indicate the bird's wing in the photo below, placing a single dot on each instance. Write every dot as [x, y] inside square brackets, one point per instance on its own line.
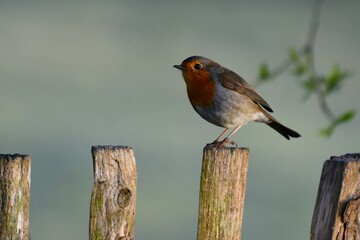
[234, 82]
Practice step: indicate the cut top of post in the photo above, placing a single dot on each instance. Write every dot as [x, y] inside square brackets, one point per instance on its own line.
[15, 163]
[224, 149]
[16, 156]
[107, 161]
[349, 157]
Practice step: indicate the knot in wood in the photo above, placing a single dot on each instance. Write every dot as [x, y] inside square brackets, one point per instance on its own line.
[123, 198]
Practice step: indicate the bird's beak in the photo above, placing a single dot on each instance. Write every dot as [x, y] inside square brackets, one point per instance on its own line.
[179, 67]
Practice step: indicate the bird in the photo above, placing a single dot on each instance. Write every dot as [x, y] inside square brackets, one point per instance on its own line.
[223, 98]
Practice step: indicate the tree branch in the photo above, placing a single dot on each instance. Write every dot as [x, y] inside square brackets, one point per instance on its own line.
[309, 53]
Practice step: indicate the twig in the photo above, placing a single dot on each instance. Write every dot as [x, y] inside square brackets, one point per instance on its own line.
[307, 50]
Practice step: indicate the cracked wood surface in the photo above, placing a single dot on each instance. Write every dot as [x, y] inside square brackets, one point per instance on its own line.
[336, 214]
[14, 196]
[222, 192]
[113, 199]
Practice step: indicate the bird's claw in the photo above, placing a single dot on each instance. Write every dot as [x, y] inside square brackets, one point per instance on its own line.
[222, 143]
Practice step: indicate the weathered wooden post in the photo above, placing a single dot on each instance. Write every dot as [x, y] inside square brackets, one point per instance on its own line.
[113, 199]
[14, 196]
[222, 192]
[337, 209]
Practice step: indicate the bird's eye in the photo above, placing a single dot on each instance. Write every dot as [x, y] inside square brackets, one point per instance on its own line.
[197, 66]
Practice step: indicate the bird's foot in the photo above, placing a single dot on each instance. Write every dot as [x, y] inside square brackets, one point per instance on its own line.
[227, 141]
[222, 143]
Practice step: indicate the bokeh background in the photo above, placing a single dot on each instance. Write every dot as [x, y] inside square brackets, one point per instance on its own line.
[79, 73]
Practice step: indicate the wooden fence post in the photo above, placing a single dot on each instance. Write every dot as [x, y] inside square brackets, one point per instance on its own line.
[14, 196]
[222, 193]
[337, 209]
[113, 199]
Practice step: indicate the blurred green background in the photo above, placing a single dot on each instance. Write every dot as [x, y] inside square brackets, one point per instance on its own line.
[79, 73]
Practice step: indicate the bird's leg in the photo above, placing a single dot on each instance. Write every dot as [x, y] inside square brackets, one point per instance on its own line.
[227, 139]
[221, 135]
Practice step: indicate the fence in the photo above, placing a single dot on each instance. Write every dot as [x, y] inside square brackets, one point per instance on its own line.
[222, 192]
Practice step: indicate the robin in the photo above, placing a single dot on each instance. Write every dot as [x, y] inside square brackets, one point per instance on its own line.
[225, 99]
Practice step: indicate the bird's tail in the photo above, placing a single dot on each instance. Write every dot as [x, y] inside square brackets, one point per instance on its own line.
[285, 131]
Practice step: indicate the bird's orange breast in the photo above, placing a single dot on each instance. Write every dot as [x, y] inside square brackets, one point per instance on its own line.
[200, 88]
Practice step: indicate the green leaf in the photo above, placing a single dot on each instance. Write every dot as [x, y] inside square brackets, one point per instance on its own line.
[328, 131]
[333, 81]
[300, 69]
[345, 117]
[264, 72]
[309, 85]
[294, 55]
